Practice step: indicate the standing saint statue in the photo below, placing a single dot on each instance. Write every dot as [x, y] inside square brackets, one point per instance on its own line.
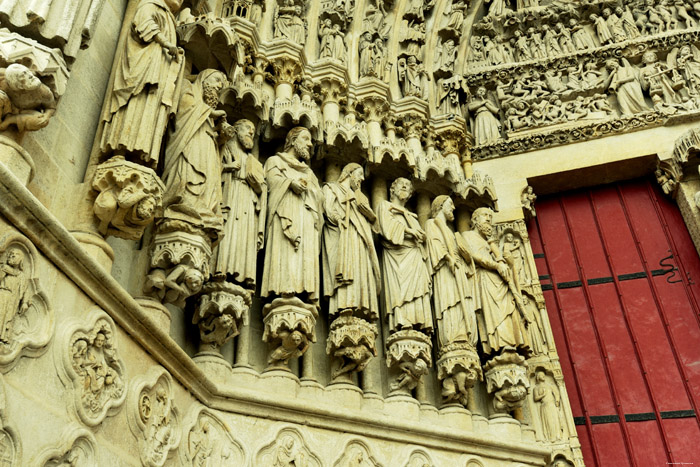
[294, 221]
[546, 395]
[14, 282]
[404, 262]
[500, 316]
[453, 295]
[245, 203]
[192, 171]
[146, 81]
[350, 264]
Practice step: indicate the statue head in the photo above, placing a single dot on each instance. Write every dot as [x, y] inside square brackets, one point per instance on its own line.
[481, 92]
[619, 11]
[20, 78]
[443, 203]
[517, 33]
[607, 12]
[612, 64]
[401, 189]
[99, 341]
[540, 376]
[299, 143]
[482, 221]
[194, 279]
[573, 22]
[15, 258]
[649, 57]
[355, 173]
[212, 82]
[146, 208]
[245, 132]
[412, 60]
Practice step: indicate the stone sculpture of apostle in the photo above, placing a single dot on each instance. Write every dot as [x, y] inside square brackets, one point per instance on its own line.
[145, 89]
[245, 203]
[404, 262]
[294, 221]
[500, 319]
[192, 171]
[453, 294]
[350, 264]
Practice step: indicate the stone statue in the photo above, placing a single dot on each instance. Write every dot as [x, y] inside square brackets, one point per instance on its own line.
[14, 285]
[615, 26]
[498, 8]
[528, 201]
[412, 77]
[174, 286]
[546, 396]
[350, 265]
[500, 316]
[380, 64]
[601, 29]
[453, 294]
[405, 271]
[294, 221]
[582, 39]
[565, 41]
[25, 102]
[625, 82]
[455, 15]
[145, 89]
[289, 23]
[655, 78]
[446, 56]
[627, 21]
[485, 126]
[244, 205]
[366, 55]
[192, 171]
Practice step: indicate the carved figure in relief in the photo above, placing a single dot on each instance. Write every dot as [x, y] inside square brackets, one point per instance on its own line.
[449, 95]
[446, 55]
[498, 8]
[601, 28]
[366, 55]
[412, 76]
[486, 127]
[289, 23]
[492, 52]
[288, 454]
[192, 171]
[174, 287]
[565, 41]
[294, 221]
[25, 102]
[476, 49]
[546, 396]
[325, 32]
[664, 10]
[244, 205]
[411, 373]
[524, 4]
[453, 294]
[455, 15]
[656, 78]
[521, 46]
[682, 11]
[145, 90]
[200, 444]
[499, 302]
[156, 416]
[380, 64]
[551, 42]
[614, 24]
[554, 81]
[623, 80]
[351, 267]
[581, 37]
[14, 293]
[537, 47]
[686, 60]
[404, 262]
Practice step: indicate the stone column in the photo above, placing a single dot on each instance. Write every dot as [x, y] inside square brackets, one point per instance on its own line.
[423, 207]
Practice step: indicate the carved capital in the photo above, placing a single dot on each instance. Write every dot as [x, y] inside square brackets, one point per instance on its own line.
[352, 341]
[289, 327]
[507, 381]
[333, 89]
[287, 70]
[221, 312]
[374, 108]
[409, 351]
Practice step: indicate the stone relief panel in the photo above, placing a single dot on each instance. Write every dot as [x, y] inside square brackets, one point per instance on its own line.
[10, 447]
[26, 318]
[153, 418]
[357, 454]
[208, 441]
[419, 458]
[76, 447]
[287, 449]
[88, 360]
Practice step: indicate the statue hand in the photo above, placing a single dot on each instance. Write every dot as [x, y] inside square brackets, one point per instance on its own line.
[503, 271]
[35, 121]
[298, 186]
[171, 50]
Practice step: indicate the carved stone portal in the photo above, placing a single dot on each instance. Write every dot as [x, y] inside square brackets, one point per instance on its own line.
[221, 312]
[507, 381]
[352, 342]
[130, 195]
[26, 319]
[153, 418]
[410, 352]
[91, 362]
[289, 327]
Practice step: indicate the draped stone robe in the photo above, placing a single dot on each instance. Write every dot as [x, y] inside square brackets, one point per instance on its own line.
[405, 270]
[245, 200]
[293, 230]
[499, 320]
[146, 86]
[14, 286]
[350, 264]
[453, 294]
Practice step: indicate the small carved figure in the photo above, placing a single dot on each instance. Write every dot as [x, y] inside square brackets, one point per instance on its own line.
[493, 53]
[404, 266]
[294, 221]
[411, 374]
[582, 39]
[351, 267]
[486, 126]
[288, 455]
[326, 34]
[25, 102]
[498, 8]
[412, 77]
[366, 55]
[537, 47]
[614, 25]
[551, 44]
[174, 287]
[446, 56]
[655, 79]
[522, 47]
[565, 41]
[546, 396]
[14, 284]
[293, 345]
[668, 184]
[627, 20]
[682, 11]
[380, 65]
[290, 25]
[147, 77]
[591, 78]
[601, 28]
[624, 81]
[245, 202]
[476, 50]
[687, 62]
[525, 4]
[199, 443]
[554, 81]
[455, 15]
[192, 172]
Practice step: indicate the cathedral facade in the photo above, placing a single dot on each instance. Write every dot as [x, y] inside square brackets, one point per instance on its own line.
[349, 232]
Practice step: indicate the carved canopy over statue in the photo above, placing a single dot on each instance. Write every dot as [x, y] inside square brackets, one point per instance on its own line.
[145, 89]
[294, 221]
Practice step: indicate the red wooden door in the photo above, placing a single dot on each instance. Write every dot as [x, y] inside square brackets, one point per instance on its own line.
[621, 280]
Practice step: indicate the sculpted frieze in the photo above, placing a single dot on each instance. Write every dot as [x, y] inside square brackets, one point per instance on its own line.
[288, 448]
[153, 418]
[88, 360]
[26, 318]
[208, 441]
[357, 454]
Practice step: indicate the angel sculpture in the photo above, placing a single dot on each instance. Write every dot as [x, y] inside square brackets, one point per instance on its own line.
[624, 81]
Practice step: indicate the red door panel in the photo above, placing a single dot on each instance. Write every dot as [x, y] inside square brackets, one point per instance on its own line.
[621, 280]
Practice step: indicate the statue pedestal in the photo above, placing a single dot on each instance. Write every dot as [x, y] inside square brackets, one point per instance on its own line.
[16, 159]
[505, 427]
[351, 342]
[455, 415]
[157, 312]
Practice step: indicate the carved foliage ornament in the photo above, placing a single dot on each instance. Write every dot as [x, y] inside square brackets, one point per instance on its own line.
[153, 418]
[208, 441]
[89, 361]
[26, 319]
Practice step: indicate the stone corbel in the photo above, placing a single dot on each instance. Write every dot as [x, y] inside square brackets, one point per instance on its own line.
[409, 352]
[507, 382]
[290, 327]
[351, 341]
[209, 40]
